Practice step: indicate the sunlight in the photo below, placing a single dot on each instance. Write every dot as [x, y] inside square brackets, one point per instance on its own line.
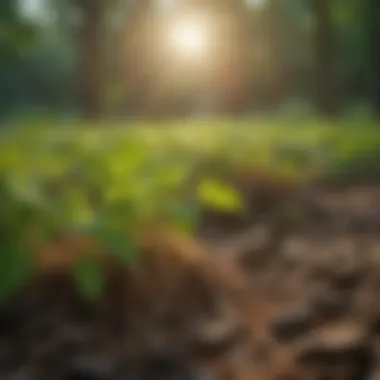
[189, 38]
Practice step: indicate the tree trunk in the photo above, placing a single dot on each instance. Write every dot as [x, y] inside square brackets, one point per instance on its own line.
[326, 91]
[276, 30]
[91, 50]
[373, 11]
[137, 65]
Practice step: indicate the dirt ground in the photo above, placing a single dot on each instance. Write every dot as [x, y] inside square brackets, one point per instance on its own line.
[288, 291]
[314, 260]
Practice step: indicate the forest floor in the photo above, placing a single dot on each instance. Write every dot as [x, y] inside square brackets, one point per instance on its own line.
[318, 274]
[310, 258]
[315, 258]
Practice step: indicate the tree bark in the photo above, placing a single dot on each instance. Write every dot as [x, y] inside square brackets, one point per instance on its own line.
[373, 12]
[91, 51]
[137, 65]
[326, 96]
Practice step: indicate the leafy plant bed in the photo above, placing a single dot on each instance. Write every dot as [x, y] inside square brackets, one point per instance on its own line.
[93, 286]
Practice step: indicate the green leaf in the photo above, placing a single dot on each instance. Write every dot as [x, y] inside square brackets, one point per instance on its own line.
[121, 213]
[15, 268]
[220, 196]
[89, 277]
[116, 239]
[185, 216]
[120, 244]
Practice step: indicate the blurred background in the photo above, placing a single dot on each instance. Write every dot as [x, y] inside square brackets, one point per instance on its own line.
[251, 126]
[159, 58]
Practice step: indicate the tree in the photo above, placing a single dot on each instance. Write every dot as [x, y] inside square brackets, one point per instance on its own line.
[15, 37]
[325, 76]
[139, 67]
[373, 12]
[92, 64]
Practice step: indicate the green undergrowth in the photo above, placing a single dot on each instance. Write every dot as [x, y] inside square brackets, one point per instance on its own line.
[108, 180]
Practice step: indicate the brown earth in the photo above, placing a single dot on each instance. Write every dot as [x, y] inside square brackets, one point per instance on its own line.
[287, 291]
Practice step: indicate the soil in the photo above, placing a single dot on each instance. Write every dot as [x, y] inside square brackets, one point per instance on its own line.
[287, 290]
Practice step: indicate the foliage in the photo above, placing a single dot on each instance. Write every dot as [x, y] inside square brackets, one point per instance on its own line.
[111, 182]
[106, 185]
[211, 193]
[89, 277]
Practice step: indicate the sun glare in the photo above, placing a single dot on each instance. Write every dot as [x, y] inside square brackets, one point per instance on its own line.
[189, 38]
